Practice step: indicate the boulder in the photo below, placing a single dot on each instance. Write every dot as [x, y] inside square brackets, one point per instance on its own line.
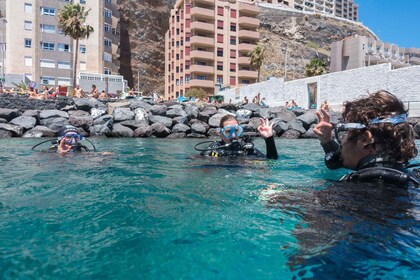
[123, 114]
[141, 115]
[133, 124]
[262, 112]
[290, 134]
[97, 112]
[280, 127]
[100, 130]
[191, 111]
[308, 119]
[417, 128]
[282, 113]
[3, 120]
[144, 130]
[178, 135]
[413, 120]
[137, 104]
[64, 104]
[113, 105]
[309, 133]
[118, 130]
[46, 114]
[299, 112]
[159, 110]
[103, 119]
[251, 106]
[296, 125]
[196, 135]
[14, 129]
[243, 114]
[9, 114]
[78, 113]
[176, 112]
[86, 104]
[159, 119]
[32, 113]
[39, 131]
[55, 123]
[175, 106]
[200, 128]
[181, 128]
[253, 124]
[206, 114]
[81, 121]
[225, 112]
[5, 134]
[213, 132]
[336, 117]
[214, 121]
[160, 130]
[24, 121]
[177, 120]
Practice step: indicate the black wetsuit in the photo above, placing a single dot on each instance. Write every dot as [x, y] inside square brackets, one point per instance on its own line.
[221, 149]
[371, 168]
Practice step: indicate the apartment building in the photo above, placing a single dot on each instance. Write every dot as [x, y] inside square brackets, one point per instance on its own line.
[38, 51]
[360, 51]
[339, 8]
[208, 45]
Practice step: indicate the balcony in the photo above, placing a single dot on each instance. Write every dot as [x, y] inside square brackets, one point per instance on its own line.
[202, 41]
[202, 26]
[249, 34]
[248, 9]
[202, 55]
[249, 22]
[199, 12]
[202, 69]
[208, 2]
[243, 60]
[243, 47]
[201, 83]
[248, 74]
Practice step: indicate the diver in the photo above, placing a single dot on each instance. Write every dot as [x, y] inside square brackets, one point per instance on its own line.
[375, 140]
[231, 145]
[69, 140]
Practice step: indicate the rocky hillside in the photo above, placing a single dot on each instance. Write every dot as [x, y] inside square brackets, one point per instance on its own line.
[144, 23]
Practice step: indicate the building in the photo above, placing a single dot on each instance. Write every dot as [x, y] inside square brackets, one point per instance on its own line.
[339, 8]
[208, 45]
[38, 51]
[359, 51]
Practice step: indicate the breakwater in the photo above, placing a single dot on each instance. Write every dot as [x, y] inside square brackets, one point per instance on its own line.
[23, 117]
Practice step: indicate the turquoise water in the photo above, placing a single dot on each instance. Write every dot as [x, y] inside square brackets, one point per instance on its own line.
[154, 210]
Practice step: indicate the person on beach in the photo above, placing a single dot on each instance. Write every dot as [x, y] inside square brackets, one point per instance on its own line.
[229, 145]
[375, 140]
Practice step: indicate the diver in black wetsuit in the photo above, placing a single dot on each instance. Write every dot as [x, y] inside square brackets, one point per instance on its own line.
[376, 140]
[230, 145]
[69, 140]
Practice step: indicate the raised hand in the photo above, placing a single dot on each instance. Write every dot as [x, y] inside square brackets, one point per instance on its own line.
[63, 147]
[266, 128]
[324, 127]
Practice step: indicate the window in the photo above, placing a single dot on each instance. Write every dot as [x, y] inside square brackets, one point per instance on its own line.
[28, 60]
[201, 77]
[220, 11]
[220, 65]
[82, 48]
[47, 46]
[108, 27]
[28, 8]
[63, 65]
[82, 1]
[47, 28]
[232, 80]
[219, 38]
[220, 79]
[46, 80]
[232, 27]
[47, 11]
[28, 43]
[233, 67]
[28, 25]
[108, 1]
[63, 47]
[232, 54]
[63, 81]
[107, 43]
[233, 13]
[220, 52]
[246, 82]
[47, 63]
[107, 71]
[82, 66]
[116, 31]
[220, 24]
[107, 57]
[187, 79]
[107, 13]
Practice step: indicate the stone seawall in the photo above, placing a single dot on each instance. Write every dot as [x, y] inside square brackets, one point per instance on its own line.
[23, 117]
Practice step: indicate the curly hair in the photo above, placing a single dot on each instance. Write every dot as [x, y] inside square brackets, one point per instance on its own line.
[394, 142]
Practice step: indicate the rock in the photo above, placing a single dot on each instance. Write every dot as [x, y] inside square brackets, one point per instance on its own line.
[225, 112]
[413, 120]
[214, 121]
[55, 123]
[78, 113]
[86, 104]
[113, 105]
[176, 106]
[68, 108]
[280, 127]
[123, 114]
[9, 114]
[159, 110]
[53, 114]
[200, 128]
[178, 120]
[24, 121]
[263, 113]
[213, 132]
[178, 135]
[290, 134]
[5, 134]
[308, 119]
[309, 133]
[417, 128]
[103, 119]
[196, 135]
[159, 119]
[282, 113]
[243, 114]
[253, 124]
[335, 117]
[141, 115]
[192, 111]
[119, 130]
[145, 130]
[251, 107]
[133, 124]
[99, 130]
[14, 129]
[206, 114]
[64, 104]
[81, 121]
[296, 125]
[97, 112]
[299, 112]
[39, 131]
[181, 128]
[176, 112]
[3, 120]
[137, 104]
[32, 113]
[160, 130]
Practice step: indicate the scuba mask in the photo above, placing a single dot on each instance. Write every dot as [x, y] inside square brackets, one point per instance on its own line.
[71, 139]
[232, 131]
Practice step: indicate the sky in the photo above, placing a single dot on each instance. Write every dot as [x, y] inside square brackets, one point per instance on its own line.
[393, 21]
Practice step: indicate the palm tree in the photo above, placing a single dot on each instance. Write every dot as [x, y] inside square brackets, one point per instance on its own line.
[71, 20]
[315, 67]
[257, 58]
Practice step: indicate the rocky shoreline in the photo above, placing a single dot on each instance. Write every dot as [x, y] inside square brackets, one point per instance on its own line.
[23, 117]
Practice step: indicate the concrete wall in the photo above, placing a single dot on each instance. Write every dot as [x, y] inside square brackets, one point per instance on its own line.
[336, 87]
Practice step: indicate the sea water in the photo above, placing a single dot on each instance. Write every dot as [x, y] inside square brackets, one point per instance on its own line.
[153, 209]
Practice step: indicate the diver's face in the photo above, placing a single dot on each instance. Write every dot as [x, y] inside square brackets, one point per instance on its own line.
[353, 151]
[71, 138]
[229, 123]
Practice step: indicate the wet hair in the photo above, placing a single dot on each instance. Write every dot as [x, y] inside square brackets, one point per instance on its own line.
[66, 129]
[394, 142]
[225, 119]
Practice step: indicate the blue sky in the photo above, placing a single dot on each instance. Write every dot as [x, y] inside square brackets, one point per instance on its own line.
[394, 21]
